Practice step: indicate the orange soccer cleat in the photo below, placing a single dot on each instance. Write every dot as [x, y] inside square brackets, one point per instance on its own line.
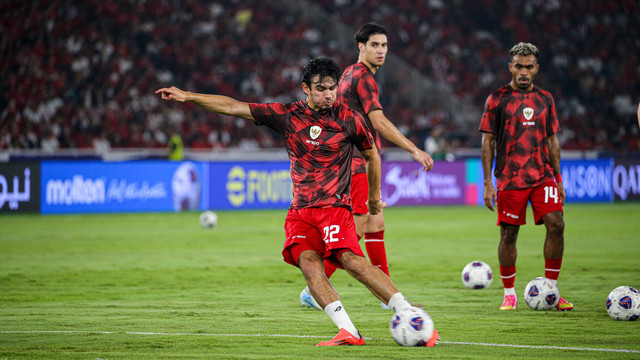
[343, 338]
[434, 339]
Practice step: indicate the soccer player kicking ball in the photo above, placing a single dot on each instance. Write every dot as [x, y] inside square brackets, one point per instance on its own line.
[320, 136]
[359, 90]
[519, 126]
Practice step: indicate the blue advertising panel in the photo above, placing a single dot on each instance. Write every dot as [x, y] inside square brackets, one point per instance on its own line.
[587, 180]
[583, 180]
[139, 186]
[249, 185]
[626, 180]
[258, 185]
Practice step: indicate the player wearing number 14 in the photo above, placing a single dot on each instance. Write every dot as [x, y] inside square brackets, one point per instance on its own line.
[519, 127]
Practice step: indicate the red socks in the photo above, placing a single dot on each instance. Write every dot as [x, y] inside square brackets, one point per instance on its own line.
[552, 268]
[508, 276]
[551, 271]
[374, 243]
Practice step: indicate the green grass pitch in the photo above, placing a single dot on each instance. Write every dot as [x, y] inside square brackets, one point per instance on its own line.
[159, 286]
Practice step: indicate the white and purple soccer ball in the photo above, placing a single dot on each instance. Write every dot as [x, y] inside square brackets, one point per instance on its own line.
[208, 219]
[477, 275]
[541, 294]
[623, 303]
[411, 327]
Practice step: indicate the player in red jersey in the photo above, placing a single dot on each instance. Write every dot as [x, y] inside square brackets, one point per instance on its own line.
[320, 136]
[358, 89]
[519, 126]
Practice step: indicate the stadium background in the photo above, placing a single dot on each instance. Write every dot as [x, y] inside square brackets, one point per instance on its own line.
[78, 81]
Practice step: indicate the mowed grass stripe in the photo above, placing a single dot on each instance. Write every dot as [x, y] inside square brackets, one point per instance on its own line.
[320, 337]
[162, 273]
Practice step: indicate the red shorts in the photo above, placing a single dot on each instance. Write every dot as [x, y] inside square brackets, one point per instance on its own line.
[329, 232]
[512, 204]
[359, 193]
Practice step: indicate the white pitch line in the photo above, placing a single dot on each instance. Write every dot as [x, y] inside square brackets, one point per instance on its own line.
[544, 347]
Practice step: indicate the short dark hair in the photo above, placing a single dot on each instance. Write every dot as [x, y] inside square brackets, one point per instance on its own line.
[323, 66]
[524, 49]
[365, 31]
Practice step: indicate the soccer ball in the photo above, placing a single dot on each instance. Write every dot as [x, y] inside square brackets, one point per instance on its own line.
[541, 294]
[208, 219]
[623, 303]
[411, 327]
[477, 275]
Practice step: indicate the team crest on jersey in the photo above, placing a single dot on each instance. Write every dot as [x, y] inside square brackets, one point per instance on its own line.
[315, 131]
[528, 113]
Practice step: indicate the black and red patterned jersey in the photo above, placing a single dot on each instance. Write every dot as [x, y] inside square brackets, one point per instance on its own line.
[359, 91]
[521, 123]
[320, 148]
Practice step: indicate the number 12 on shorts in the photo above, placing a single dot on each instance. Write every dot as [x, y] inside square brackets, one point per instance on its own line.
[550, 192]
[329, 232]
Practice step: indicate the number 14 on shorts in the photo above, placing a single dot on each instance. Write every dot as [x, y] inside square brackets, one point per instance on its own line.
[551, 192]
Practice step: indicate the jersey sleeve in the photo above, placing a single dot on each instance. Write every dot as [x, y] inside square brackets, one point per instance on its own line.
[488, 122]
[362, 137]
[270, 115]
[553, 125]
[368, 93]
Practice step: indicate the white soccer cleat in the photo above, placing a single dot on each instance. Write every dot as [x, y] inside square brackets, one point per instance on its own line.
[308, 301]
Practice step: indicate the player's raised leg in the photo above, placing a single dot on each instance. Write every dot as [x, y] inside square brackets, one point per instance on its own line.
[373, 278]
[378, 283]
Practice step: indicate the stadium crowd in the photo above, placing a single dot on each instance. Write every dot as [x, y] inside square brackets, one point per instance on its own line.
[589, 52]
[83, 74]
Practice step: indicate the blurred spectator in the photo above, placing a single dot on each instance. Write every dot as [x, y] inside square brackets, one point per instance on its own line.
[101, 144]
[175, 149]
[436, 144]
[49, 142]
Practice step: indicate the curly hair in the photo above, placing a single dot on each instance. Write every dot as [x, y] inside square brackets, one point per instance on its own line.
[524, 49]
[322, 66]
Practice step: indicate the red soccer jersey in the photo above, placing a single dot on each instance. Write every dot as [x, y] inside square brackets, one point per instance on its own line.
[521, 122]
[320, 148]
[359, 91]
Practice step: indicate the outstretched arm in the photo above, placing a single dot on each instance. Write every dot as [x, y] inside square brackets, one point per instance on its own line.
[488, 149]
[215, 103]
[391, 133]
[554, 158]
[373, 176]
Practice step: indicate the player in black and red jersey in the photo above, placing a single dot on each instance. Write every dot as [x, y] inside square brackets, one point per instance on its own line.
[519, 126]
[358, 89]
[320, 136]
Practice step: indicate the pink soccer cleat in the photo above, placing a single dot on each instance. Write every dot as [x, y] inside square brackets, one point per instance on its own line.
[510, 303]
